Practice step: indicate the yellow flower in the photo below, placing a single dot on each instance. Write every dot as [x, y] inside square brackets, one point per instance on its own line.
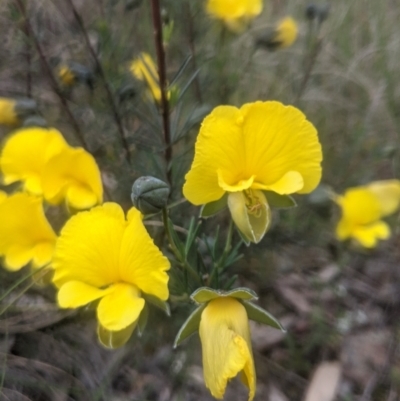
[234, 13]
[285, 33]
[144, 69]
[48, 166]
[226, 345]
[66, 75]
[242, 152]
[8, 114]
[101, 255]
[362, 210]
[25, 233]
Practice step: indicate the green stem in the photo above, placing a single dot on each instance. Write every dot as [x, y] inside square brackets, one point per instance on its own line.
[181, 258]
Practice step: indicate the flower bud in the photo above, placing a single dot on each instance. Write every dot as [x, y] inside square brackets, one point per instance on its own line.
[149, 194]
[311, 11]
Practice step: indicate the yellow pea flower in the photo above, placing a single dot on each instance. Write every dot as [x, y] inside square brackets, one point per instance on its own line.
[100, 255]
[363, 209]
[234, 13]
[49, 167]
[242, 152]
[66, 75]
[25, 233]
[285, 33]
[226, 346]
[144, 69]
[8, 114]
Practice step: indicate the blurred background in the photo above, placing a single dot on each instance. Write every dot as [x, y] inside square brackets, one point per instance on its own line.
[340, 304]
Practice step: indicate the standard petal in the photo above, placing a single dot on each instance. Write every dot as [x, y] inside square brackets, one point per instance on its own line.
[89, 246]
[73, 174]
[24, 229]
[141, 262]
[26, 153]
[368, 236]
[8, 116]
[120, 308]
[226, 347]
[278, 140]
[75, 294]
[388, 195]
[219, 146]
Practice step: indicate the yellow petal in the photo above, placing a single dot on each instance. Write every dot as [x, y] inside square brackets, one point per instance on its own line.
[368, 236]
[226, 346]
[251, 213]
[388, 195]
[75, 294]
[234, 9]
[219, 146]
[73, 174]
[26, 153]
[8, 115]
[291, 182]
[3, 196]
[25, 233]
[286, 32]
[88, 248]
[279, 140]
[141, 262]
[240, 186]
[120, 308]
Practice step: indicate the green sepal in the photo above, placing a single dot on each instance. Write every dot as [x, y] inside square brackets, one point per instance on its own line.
[260, 315]
[115, 339]
[143, 318]
[212, 208]
[206, 294]
[190, 326]
[158, 303]
[243, 237]
[279, 201]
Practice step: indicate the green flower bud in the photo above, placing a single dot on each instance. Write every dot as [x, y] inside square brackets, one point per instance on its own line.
[149, 194]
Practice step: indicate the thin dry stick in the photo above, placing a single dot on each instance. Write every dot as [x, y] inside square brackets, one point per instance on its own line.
[28, 57]
[102, 75]
[50, 75]
[158, 38]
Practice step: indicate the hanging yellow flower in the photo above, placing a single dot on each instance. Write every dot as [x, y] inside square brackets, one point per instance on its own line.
[66, 75]
[226, 345]
[286, 33]
[144, 69]
[363, 209]
[49, 167]
[234, 13]
[102, 255]
[263, 146]
[8, 114]
[25, 233]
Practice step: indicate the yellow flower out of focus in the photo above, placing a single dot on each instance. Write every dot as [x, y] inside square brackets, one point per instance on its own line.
[25, 233]
[226, 346]
[234, 13]
[66, 75]
[363, 209]
[285, 33]
[144, 69]
[242, 152]
[100, 255]
[49, 167]
[8, 114]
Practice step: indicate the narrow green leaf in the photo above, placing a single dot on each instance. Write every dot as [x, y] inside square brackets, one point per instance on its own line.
[181, 69]
[260, 315]
[164, 306]
[190, 326]
[212, 208]
[279, 201]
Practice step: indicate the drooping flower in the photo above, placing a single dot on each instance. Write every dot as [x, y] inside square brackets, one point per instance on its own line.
[66, 75]
[25, 233]
[226, 346]
[263, 146]
[234, 13]
[283, 35]
[144, 69]
[49, 167]
[363, 209]
[100, 255]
